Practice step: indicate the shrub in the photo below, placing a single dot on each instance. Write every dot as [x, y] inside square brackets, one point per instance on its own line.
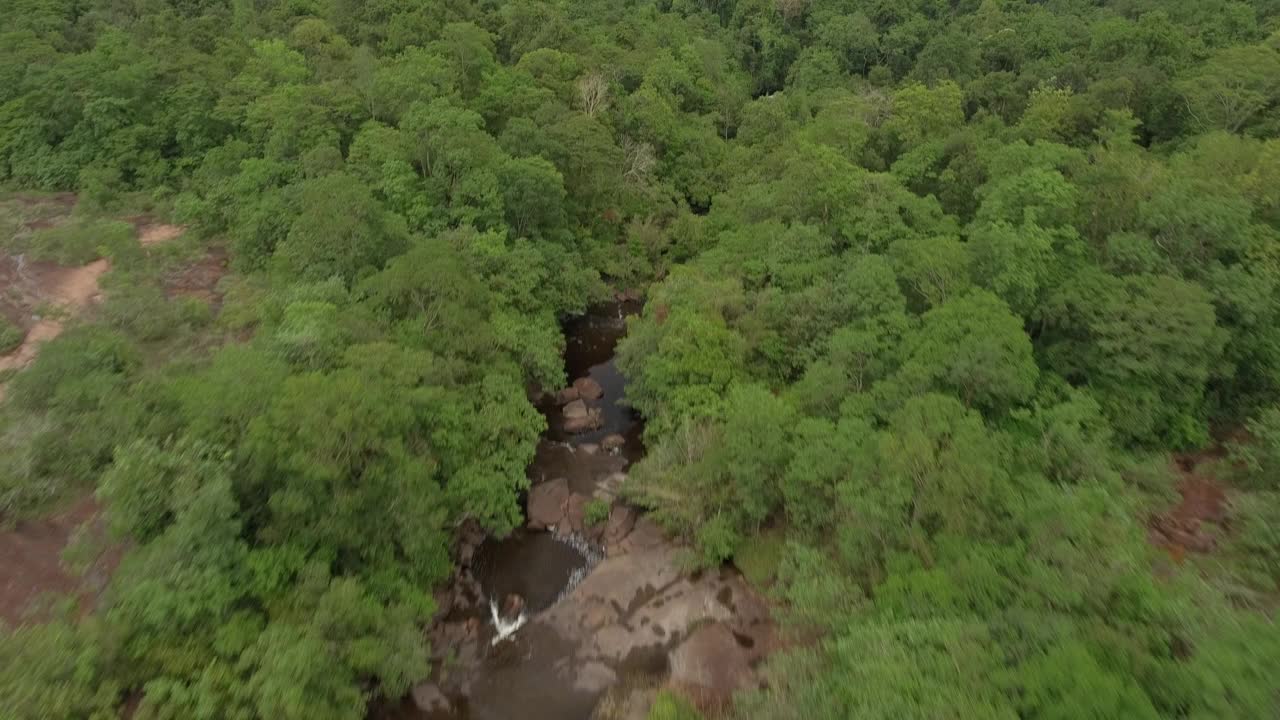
[670, 706]
[80, 241]
[142, 311]
[596, 511]
[11, 336]
[759, 556]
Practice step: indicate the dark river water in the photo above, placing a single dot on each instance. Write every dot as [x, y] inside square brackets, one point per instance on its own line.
[517, 679]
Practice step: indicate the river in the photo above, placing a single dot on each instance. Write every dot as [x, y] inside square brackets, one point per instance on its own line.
[603, 605]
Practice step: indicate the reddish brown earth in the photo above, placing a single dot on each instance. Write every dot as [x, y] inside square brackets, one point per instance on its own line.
[39, 297]
[30, 288]
[31, 567]
[64, 290]
[1191, 524]
[200, 279]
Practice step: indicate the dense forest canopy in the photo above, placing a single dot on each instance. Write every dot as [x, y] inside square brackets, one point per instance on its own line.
[933, 290]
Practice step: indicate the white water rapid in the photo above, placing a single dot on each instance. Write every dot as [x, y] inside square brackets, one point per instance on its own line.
[506, 628]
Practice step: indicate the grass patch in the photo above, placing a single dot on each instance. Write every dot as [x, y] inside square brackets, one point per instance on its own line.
[78, 241]
[11, 336]
[760, 556]
[670, 706]
[596, 511]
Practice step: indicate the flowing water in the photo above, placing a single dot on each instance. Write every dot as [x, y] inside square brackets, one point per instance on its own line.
[518, 674]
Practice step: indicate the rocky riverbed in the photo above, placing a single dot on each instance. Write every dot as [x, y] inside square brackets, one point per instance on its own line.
[607, 615]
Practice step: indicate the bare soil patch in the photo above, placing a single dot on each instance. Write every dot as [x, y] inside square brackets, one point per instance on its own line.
[40, 296]
[200, 279]
[65, 290]
[153, 233]
[31, 564]
[1191, 525]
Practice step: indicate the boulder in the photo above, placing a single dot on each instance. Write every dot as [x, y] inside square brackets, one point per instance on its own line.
[466, 592]
[575, 512]
[589, 448]
[621, 520]
[588, 388]
[546, 503]
[470, 537]
[512, 606]
[592, 420]
[593, 677]
[566, 396]
[646, 534]
[428, 698]
[612, 443]
[712, 660]
[607, 488]
[575, 410]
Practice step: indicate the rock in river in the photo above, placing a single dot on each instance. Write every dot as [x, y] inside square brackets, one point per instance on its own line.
[612, 443]
[588, 389]
[592, 420]
[575, 410]
[546, 503]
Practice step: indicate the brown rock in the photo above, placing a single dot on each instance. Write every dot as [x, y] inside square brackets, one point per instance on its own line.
[575, 512]
[592, 420]
[428, 698]
[712, 660]
[566, 396]
[588, 388]
[546, 503]
[612, 443]
[621, 520]
[613, 483]
[470, 537]
[512, 606]
[593, 677]
[646, 534]
[575, 410]
[599, 614]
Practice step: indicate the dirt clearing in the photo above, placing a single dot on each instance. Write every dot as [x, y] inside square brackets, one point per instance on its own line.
[40, 297]
[31, 564]
[1192, 525]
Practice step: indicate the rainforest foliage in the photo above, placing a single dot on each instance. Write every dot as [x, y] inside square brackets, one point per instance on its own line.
[934, 290]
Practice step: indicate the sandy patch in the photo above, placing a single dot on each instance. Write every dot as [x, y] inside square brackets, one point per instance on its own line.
[158, 233]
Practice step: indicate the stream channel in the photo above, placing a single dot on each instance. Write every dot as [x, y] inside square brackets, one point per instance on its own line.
[602, 605]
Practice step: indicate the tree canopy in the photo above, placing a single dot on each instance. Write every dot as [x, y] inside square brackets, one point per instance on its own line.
[933, 291]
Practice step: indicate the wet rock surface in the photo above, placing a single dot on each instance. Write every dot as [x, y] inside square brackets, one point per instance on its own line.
[588, 388]
[712, 663]
[546, 503]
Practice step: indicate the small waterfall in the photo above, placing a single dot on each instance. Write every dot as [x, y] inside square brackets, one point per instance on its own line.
[592, 554]
[506, 628]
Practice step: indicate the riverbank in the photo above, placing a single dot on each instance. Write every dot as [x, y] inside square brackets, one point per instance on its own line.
[608, 611]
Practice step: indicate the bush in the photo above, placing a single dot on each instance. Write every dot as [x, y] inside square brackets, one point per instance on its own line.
[670, 706]
[1259, 458]
[142, 311]
[74, 371]
[759, 556]
[65, 415]
[596, 511]
[11, 336]
[80, 241]
[1255, 539]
